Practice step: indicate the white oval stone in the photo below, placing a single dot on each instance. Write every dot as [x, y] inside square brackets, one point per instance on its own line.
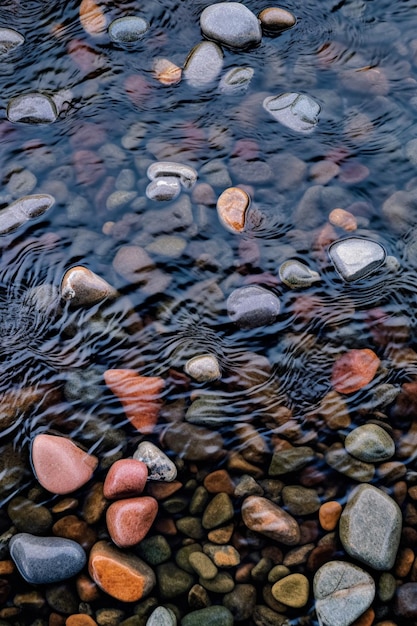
[294, 110]
[203, 368]
[203, 64]
[128, 29]
[231, 24]
[32, 108]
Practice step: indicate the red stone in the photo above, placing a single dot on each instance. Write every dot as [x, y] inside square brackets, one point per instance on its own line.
[125, 478]
[83, 55]
[60, 465]
[129, 521]
[137, 89]
[354, 370]
[139, 395]
[89, 167]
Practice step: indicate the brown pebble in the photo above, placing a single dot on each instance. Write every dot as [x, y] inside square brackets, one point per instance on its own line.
[354, 369]
[165, 526]
[56, 620]
[238, 464]
[6, 567]
[343, 219]
[166, 72]
[80, 619]
[218, 481]
[263, 516]
[64, 505]
[366, 619]
[275, 19]
[87, 589]
[329, 514]
[221, 535]
[162, 490]
[71, 527]
[94, 504]
[404, 562]
[232, 206]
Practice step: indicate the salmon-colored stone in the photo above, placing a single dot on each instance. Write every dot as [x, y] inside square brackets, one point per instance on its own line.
[122, 575]
[344, 219]
[92, 17]
[60, 465]
[7, 567]
[125, 478]
[137, 89]
[354, 370]
[166, 72]
[80, 619]
[139, 395]
[232, 206]
[329, 514]
[129, 521]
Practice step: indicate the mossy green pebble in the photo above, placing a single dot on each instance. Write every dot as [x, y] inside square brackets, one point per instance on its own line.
[292, 590]
[210, 616]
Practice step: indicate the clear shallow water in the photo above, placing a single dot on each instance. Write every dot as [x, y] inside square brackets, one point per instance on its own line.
[364, 128]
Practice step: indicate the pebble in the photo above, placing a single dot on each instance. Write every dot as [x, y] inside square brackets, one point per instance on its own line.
[232, 207]
[160, 466]
[343, 219]
[275, 20]
[370, 527]
[263, 516]
[82, 287]
[9, 40]
[202, 565]
[329, 515]
[236, 80]
[167, 169]
[43, 560]
[28, 516]
[370, 443]
[218, 512]
[129, 520]
[128, 29]
[406, 601]
[172, 580]
[294, 110]
[253, 306]
[203, 65]
[92, 18]
[162, 616]
[354, 369]
[343, 592]
[60, 466]
[71, 527]
[223, 556]
[21, 183]
[222, 583]
[163, 189]
[290, 460]
[300, 500]
[339, 459]
[231, 24]
[203, 368]
[19, 212]
[125, 478]
[292, 590]
[296, 275]
[32, 108]
[166, 72]
[139, 396]
[120, 574]
[120, 198]
[355, 258]
[135, 265]
[193, 443]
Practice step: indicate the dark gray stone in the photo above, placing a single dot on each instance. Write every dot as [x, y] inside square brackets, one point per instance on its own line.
[253, 306]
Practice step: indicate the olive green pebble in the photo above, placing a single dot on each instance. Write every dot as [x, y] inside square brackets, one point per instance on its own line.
[222, 583]
[293, 590]
[203, 565]
[29, 517]
[387, 586]
[182, 557]
[261, 569]
[278, 572]
[191, 527]
[218, 512]
[175, 505]
[210, 616]
[154, 550]
[300, 500]
[291, 460]
[172, 580]
[199, 500]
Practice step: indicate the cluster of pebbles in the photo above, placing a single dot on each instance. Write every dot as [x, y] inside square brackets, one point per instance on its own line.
[260, 467]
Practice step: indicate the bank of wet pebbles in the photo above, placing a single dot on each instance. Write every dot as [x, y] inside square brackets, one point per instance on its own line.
[238, 448]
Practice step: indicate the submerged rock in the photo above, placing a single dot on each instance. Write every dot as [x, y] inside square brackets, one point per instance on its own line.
[294, 110]
[9, 40]
[236, 80]
[203, 65]
[295, 274]
[128, 29]
[22, 210]
[32, 108]
[252, 306]
[82, 287]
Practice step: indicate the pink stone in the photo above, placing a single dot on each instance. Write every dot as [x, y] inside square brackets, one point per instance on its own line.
[125, 478]
[60, 465]
[128, 521]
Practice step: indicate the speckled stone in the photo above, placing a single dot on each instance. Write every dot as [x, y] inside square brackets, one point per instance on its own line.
[263, 516]
[162, 616]
[125, 478]
[290, 460]
[129, 521]
[32, 108]
[203, 368]
[219, 511]
[339, 459]
[173, 581]
[297, 275]
[232, 207]
[354, 369]
[370, 527]
[342, 593]
[253, 306]
[9, 40]
[292, 590]
[82, 287]
[202, 565]
[231, 24]
[43, 560]
[160, 466]
[300, 500]
[356, 257]
[370, 443]
[128, 29]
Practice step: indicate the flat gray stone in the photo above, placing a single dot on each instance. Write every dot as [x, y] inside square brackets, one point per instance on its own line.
[186, 174]
[294, 110]
[342, 592]
[370, 443]
[162, 616]
[252, 306]
[9, 39]
[356, 257]
[42, 560]
[231, 24]
[22, 210]
[370, 527]
[296, 275]
[236, 80]
[203, 64]
[32, 108]
[128, 29]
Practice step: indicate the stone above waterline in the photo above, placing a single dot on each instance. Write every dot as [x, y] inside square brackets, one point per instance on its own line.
[231, 24]
[356, 257]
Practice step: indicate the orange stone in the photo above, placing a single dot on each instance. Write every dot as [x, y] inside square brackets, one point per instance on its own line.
[71, 527]
[122, 575]
[329, 514]
[354, 370]
[87, 589]
[7, 567]
[162, 490]
[344, 219]
[92, 17]
[366, 619]
[129, 521]
[166, 72]
[80, 619]
[139, 396]
[218, 481]
[232, 206]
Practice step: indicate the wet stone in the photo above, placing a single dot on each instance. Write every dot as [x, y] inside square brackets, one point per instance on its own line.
[120, 198]
[219, 511]
[354, 369]
[370, 443]
[231, 24]
[370, 527]
[294, 110]
[168, 169]
[296, 275]
[129, 521]
[292, 590]
[160, 466]
[339, 459]
[253, 306]
[203, 368]
[222, 583]
[162, 616]
[236, 80]
[128, 29]
[193, 443]
[202, 565]
[356, 257]
[275, 20]
[300, 500]
[241, 601]
[9, 40]
[166, 72]
[29, 517]
[342, 593]
[406, 601]
[154, 549]
[232, 206]
[290, 460]
[163, 189]
[173, 581]
[203, 65]
[82, 287]
[43, 560]
[263, 516]
[125, 478]
[22, 210]
[32, 108]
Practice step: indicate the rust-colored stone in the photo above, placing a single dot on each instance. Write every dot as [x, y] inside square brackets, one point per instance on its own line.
[218, 481]
[125, 478]
[354, 370]
[329, 514]
[71, 527]
[162, 490]
[92, 17]
[6, 567]
[166, 72]
[87, 589]
[80, 619]
[343, 219]
[128, 521]
[232, 206]
[366, 619]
